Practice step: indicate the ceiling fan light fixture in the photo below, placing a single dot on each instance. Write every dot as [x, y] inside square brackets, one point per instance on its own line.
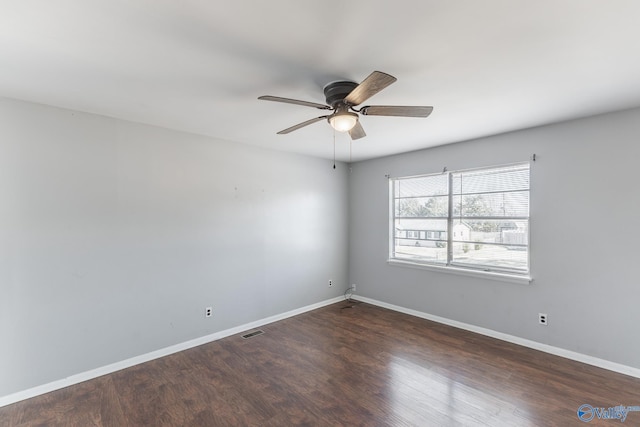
[343, 121]
[342, 96]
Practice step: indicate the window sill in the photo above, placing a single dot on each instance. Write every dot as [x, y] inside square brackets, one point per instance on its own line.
[490, 275]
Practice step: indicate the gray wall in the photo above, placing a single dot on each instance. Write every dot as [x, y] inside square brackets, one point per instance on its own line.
[585, 238]
[115, 236]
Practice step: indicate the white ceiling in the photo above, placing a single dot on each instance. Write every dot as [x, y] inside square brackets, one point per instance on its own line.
[198, 66]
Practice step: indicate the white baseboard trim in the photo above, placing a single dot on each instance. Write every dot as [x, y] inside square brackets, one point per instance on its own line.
[108, 369]
[567, 354]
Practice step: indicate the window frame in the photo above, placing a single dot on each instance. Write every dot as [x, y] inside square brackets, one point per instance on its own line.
[451, 266]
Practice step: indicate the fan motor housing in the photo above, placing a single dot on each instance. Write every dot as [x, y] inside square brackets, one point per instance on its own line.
[336, 92]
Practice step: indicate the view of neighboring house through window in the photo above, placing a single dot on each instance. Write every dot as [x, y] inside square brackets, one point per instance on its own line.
[477, 219]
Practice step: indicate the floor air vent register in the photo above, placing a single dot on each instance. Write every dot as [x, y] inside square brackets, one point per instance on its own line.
[252, 334]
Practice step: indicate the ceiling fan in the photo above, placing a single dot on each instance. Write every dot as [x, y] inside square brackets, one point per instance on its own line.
[343, 96]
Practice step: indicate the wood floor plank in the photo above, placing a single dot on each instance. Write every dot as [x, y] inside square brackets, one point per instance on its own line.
[100, 406]
[338, 366]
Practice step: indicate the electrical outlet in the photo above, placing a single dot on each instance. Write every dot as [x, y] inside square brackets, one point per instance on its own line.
[208, 312]
[543, 319]
[330, 283]
[353, 287]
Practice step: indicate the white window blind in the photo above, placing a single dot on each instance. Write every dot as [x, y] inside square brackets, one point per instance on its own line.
[476, 219]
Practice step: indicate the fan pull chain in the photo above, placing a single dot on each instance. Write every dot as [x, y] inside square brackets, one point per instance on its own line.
[334, 148]
[350, 149]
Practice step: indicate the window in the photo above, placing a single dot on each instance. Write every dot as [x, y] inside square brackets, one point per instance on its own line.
[473, 219]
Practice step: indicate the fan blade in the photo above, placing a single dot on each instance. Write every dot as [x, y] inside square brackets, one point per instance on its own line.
[357, 131]
[301, 125]
[396, 110]
[294, 101]
[373, 84]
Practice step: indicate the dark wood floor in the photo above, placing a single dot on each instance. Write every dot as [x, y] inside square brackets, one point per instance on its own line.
[341, 366]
